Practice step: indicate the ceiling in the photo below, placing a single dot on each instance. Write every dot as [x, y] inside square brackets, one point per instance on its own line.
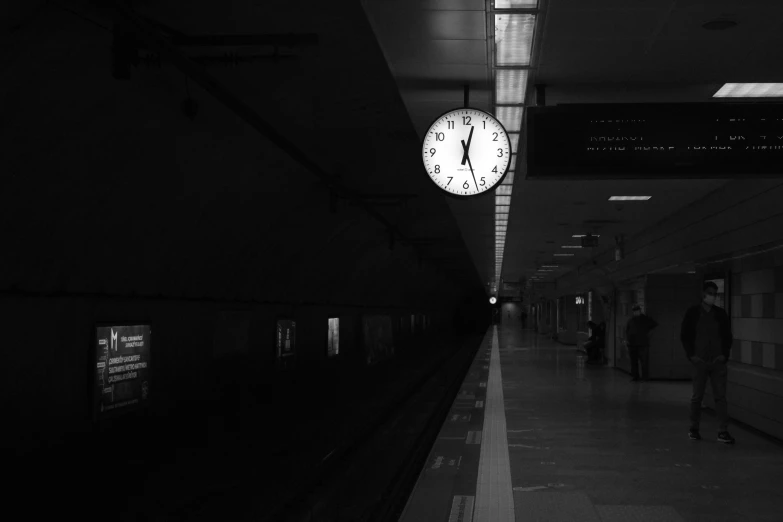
[602, 51]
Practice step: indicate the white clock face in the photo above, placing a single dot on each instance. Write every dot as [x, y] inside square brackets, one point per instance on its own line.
[466, 152]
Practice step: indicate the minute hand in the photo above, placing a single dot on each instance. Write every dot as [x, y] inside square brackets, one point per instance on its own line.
[471, 170]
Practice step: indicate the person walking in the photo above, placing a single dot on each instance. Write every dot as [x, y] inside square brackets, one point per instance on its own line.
[637, 338]
[707, 339]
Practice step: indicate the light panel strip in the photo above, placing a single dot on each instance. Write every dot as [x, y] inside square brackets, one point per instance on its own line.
[510, 86]
[750, 90]
[514, 38]
[511, 118]
[514, 137]
[516, 4]
[629, 198]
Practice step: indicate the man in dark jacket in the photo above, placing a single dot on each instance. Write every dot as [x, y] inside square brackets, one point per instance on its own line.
[637, 337]
[706, 337]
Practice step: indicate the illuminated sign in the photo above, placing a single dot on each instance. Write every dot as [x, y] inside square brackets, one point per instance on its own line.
[580, 300]
[655, 141]
[122, 364]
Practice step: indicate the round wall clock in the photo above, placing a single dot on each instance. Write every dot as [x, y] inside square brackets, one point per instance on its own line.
[466, 152]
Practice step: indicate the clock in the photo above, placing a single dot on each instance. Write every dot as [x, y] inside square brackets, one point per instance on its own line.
[466, 152]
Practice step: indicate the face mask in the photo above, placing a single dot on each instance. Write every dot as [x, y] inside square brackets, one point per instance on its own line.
[709, 299]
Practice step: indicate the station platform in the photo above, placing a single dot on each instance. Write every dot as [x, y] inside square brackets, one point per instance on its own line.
[535, 435]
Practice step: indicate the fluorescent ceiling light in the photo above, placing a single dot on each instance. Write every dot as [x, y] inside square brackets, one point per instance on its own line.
[503, 190]
[513, 38]
[571, 246]
[549, 266]
[750, 90]
[514, 137]
[509, 179]
[563, 255]
[502, 200]
[511, 118]
[585, 235]
[510, 85]
[516, 4]
[503, 209]
[629, 198]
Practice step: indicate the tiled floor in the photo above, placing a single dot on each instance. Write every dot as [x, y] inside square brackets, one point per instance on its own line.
[586, 444]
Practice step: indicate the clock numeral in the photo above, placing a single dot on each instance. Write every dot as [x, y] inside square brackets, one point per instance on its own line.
[450, 178]
[437, 169]
[466, 120]
[439, 136]
[451, 124]
[495, 170]
[482, 182]
[465, 185]
[496, 136]
[432, 152]
[500, 153]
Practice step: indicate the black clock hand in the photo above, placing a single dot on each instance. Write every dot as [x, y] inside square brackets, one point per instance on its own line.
[471, 169]
[464, 151]
[467, 147]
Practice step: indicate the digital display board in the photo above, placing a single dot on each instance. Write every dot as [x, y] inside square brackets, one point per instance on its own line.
[122, 378]
[286, 338]
[655, 141]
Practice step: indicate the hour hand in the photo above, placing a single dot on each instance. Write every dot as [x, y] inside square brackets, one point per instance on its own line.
[465, 147]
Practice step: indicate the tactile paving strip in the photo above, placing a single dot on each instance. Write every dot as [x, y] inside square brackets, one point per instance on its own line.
[494, 496]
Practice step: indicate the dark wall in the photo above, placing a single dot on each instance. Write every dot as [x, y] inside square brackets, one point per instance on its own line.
[47, 370]
[114, 206]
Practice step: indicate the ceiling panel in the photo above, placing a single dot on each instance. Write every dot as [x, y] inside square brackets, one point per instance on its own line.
[602, 51]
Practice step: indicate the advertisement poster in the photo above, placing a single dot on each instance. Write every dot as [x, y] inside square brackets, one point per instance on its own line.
[378, 340]
[286, 338]
[122, 367]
